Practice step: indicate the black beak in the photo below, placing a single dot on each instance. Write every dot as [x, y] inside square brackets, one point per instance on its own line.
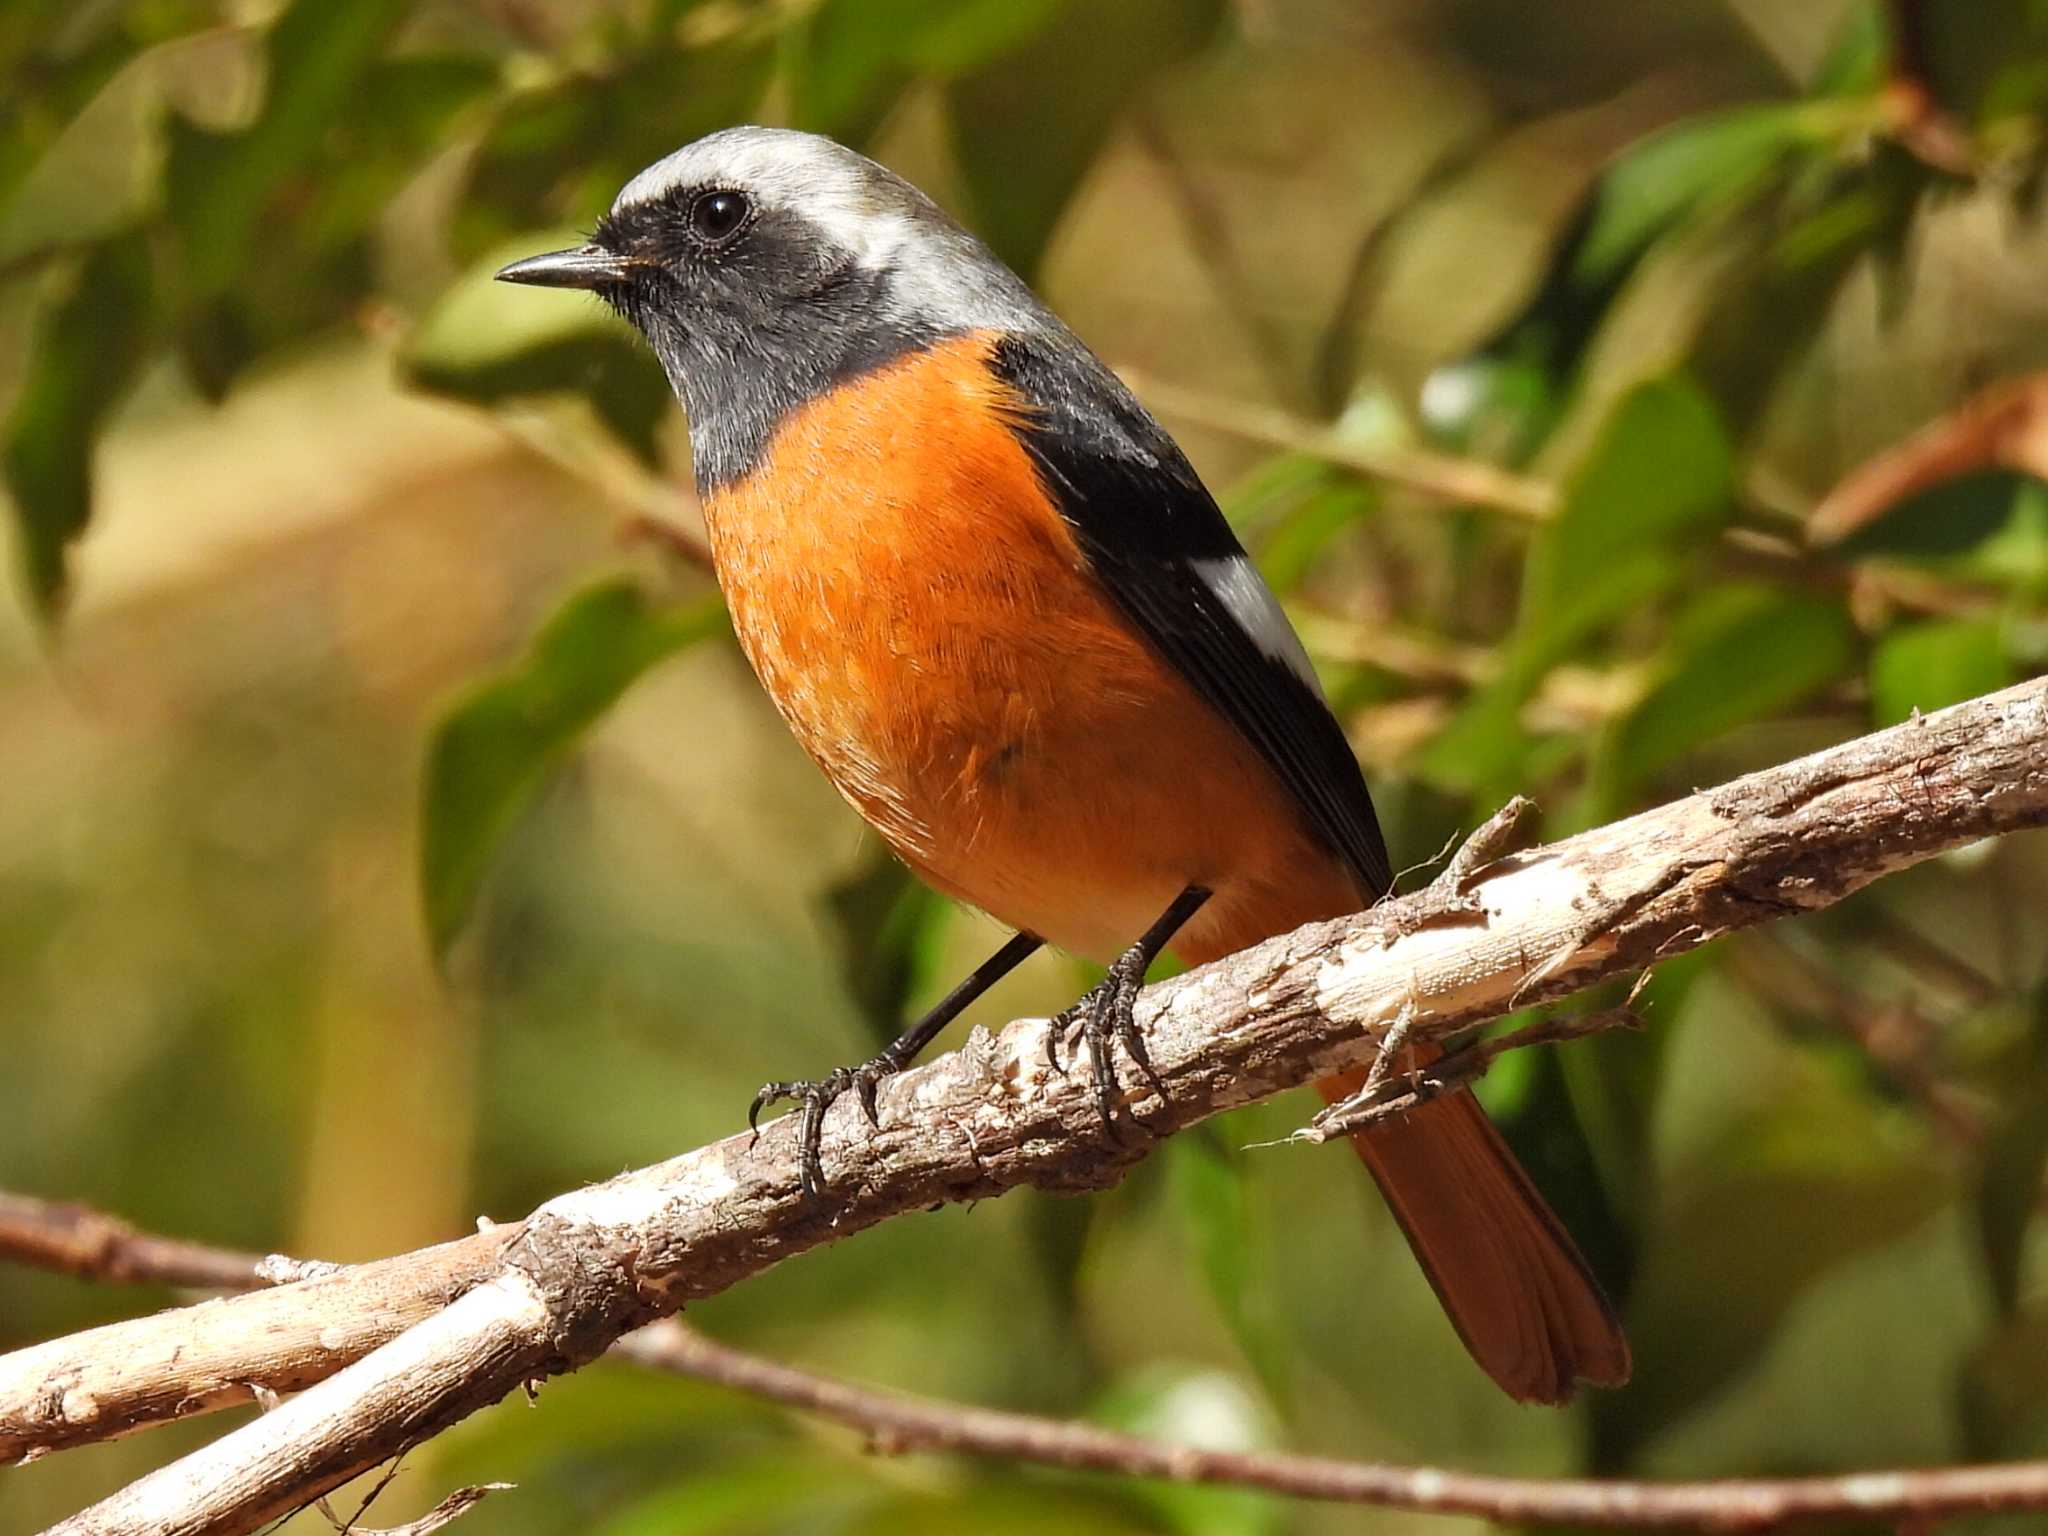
[589, 266]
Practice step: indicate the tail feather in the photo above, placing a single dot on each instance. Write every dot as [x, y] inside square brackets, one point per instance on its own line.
[1507, 1272]
[1514, 1284]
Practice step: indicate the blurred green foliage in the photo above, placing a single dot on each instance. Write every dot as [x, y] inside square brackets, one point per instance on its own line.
[322, 618]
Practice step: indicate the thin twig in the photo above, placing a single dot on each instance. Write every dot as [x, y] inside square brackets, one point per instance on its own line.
[1462, 482]
[1935, 964]
[1379, 1099]
[77, 1240]
[894, 1423]
[1892, 1035]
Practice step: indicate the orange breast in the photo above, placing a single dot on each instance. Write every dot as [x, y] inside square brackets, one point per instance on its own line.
[923, 620]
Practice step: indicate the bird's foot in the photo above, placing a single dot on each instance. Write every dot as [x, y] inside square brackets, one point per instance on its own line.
[1107, 1015]
[816, 1097]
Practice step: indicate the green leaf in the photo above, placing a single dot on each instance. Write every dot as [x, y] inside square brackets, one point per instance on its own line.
[1934, 664]
[1697, 166]
[1945, 520]
[1856, 64]
[997, 1505]
[850, 59]
[494, 748]
[2004, 1392]
[102, 173]
[1739, 653]
[485, 341]
[87, 351]
[1656, 485]
[1615, 1084]
[1727, 1260]
[1291, 547]
[218, 184]
[1022, 148]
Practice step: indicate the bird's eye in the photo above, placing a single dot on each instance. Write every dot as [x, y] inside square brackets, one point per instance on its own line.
[716, 216]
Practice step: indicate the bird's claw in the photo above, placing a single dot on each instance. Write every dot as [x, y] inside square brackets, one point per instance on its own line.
[816, 1097]
[1107, 1016]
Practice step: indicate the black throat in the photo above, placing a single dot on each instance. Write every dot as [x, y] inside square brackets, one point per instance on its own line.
[740, 375]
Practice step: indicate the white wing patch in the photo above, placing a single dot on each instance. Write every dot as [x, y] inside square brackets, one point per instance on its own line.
[1235, 580]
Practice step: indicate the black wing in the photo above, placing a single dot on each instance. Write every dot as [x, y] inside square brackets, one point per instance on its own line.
[1158, 541]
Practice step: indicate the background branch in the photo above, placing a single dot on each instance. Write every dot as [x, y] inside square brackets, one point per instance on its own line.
[77, 1240]
[590, 1266]
[892, 1423]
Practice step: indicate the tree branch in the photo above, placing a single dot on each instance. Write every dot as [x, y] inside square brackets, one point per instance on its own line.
[77, 1240]
[590, 1266]
[893, 1423]
[1435, 475]
[123, 1377]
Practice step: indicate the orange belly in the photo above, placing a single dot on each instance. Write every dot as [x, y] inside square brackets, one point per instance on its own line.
[921, 617]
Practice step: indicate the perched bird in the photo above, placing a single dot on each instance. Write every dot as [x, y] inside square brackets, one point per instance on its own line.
[994, 603]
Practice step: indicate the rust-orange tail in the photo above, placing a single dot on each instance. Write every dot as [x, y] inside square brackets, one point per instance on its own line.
[1507, 1272]
[1514, 1283]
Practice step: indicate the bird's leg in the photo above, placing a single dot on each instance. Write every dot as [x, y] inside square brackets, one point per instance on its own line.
[817, 1097]
[1108, 1013]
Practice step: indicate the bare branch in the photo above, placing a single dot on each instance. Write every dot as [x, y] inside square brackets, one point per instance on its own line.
[77, 1240]
[1437, 476]
[443, 1514]
[590, 1266]
[115, 1379]
[895, 1423]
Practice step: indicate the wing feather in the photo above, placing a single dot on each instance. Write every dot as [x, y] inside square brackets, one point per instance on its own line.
[1158, 542]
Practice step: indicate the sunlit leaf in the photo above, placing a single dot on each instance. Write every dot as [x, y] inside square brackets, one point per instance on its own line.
[850, 59]
[1292, 544]
[1655, 485]
[493, 749]
[1930, 665]
[1738, 653]
[1856, 65]
[102, 174]
[1698, 166]
[87, 350]
[488, 341]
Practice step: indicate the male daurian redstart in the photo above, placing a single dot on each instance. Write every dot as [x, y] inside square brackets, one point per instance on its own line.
[993, 601]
